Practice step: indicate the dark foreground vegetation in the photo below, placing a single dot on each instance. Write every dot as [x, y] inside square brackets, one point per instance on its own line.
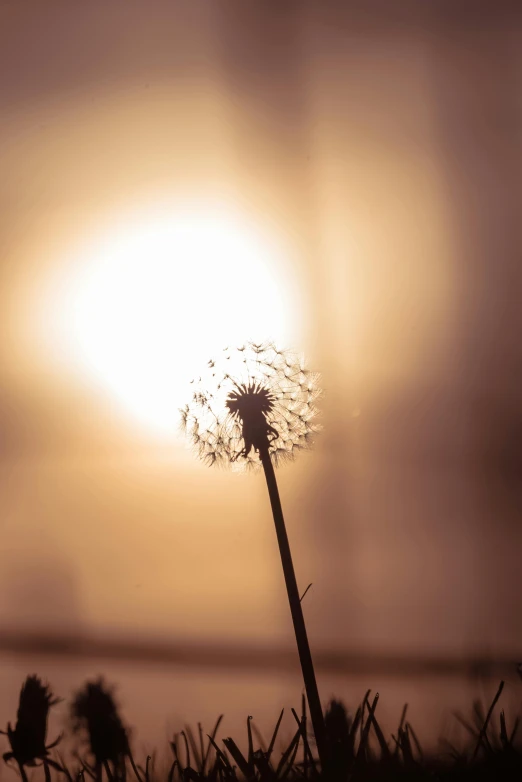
[357, 746]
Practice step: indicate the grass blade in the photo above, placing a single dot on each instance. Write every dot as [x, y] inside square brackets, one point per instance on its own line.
[363, 707]
[399, 731]
[306, 748]
[187, 750]
[133, 765]
[415, 740]
[221, 755]
[250, 742]
[486, 722]
[198, 758]
[385, 750]
[353, 731]
[273, 739]
[288, 752]
[503, 732]
[361, 752]
[214, 733]
[291, 762]
[307, 753]
[259, 736]
[239, 758]
[201, 747]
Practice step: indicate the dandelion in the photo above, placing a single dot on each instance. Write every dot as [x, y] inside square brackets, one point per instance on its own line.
[252, 396]
[255, 407]
[27, 740]
[95, 711]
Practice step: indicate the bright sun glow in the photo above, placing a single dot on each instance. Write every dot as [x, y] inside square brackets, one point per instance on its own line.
[142, 309]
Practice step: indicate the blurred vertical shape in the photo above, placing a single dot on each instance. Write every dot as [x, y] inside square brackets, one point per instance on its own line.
[480, 121]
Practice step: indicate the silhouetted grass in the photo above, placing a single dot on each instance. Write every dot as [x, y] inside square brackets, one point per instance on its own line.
[357, 746]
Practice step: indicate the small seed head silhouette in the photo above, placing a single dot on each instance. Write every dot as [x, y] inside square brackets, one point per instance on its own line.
[95, 711]
[252, 397]
[27, 740]
[337, 722]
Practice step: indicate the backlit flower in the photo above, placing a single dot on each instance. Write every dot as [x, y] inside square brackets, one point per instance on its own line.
[251, 397]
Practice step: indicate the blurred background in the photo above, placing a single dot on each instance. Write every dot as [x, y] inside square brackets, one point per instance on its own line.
[342, 177]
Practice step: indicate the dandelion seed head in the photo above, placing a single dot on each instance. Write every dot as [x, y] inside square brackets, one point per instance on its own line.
[254, 391]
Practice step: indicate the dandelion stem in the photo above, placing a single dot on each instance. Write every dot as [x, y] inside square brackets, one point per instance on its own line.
[303, 647]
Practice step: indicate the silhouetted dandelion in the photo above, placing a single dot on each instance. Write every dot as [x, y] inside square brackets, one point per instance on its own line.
[255, 406]
[27, 740]
[95, 711]
[250, 396]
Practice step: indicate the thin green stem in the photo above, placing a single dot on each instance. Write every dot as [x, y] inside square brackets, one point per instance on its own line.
[303, 647]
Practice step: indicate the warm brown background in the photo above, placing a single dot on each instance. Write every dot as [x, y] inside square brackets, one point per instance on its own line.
[383, 141]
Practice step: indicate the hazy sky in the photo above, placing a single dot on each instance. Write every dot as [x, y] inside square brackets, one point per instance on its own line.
[371, 158]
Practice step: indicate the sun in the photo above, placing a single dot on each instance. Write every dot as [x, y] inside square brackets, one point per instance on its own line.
[140, 308]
